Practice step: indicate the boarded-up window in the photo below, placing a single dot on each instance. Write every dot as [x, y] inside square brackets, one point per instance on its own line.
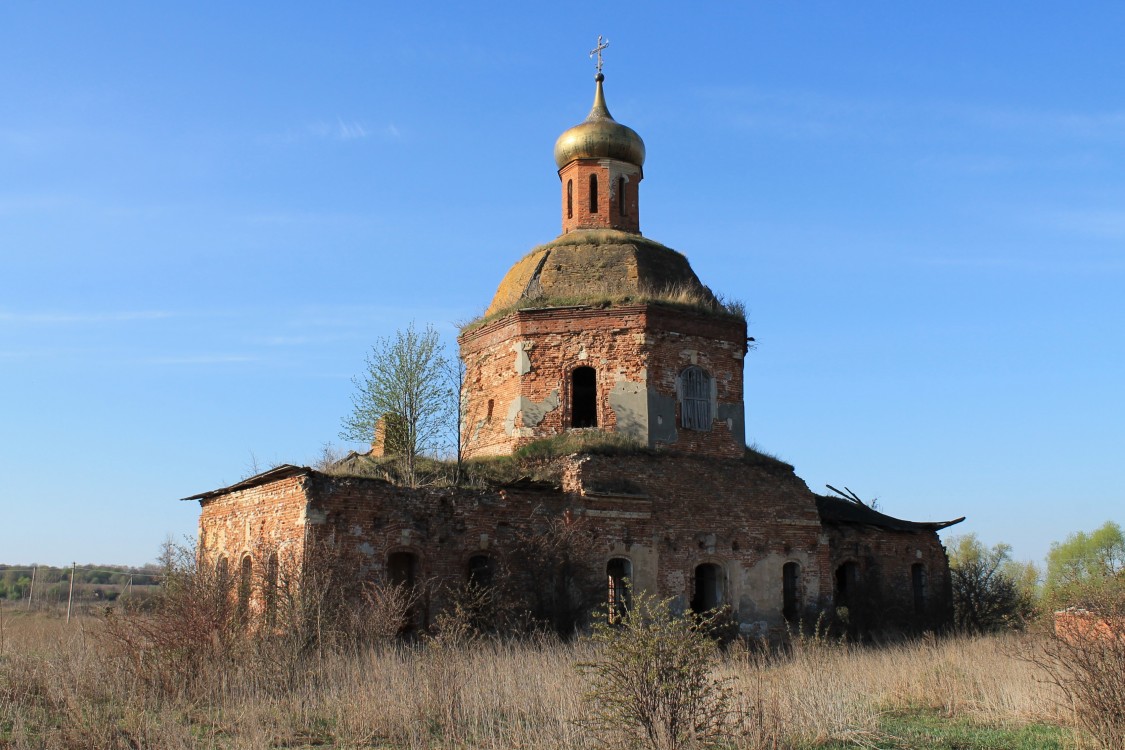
[695, 399]
[621, 205]
[708, 588]
[618, 571]
[570, 199]
[584, 397]
[791, 591]
[593, 193]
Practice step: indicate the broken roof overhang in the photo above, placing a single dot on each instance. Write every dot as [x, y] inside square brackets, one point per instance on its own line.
[278, 472]
[838, 510]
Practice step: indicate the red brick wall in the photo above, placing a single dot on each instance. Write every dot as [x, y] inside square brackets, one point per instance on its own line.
[255, 521]
[884, 560]
[642, 348]
[609, 174]
[665, 514]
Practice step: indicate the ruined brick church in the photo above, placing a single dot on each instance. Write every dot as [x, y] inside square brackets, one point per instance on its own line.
[605, 330]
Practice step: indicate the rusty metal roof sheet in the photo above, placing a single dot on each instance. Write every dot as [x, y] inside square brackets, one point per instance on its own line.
[839, 510]
[278, 472]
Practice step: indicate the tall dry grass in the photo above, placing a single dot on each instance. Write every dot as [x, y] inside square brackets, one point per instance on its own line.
[61, 687]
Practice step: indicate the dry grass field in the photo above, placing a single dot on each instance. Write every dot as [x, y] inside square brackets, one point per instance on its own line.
[70, 687]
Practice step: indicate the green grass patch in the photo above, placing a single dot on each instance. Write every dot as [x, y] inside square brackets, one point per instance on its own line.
[756, 456]
[536, 461]
[594, 442]
[926, 730]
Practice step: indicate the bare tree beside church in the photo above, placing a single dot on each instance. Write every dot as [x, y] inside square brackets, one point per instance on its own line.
[405, 385]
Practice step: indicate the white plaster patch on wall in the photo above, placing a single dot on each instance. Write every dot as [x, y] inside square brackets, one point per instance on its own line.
[311, 515]
[529, 412]
[523, 359]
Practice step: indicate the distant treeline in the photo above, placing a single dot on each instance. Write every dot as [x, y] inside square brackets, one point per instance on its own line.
[91, 582]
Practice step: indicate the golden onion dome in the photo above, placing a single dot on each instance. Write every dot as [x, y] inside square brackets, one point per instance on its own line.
[599, 137]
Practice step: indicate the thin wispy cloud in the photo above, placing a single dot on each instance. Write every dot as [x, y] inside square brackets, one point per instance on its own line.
[812, 115]
[1101, 223]
[1054, 266]
[338, 130]
[203, 359]
[1083, 125]
[323, 219]
[81, 318]
[986, 163]
[286, 340]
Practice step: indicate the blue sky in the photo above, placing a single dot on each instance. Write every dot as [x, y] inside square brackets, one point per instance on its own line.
[208, 214]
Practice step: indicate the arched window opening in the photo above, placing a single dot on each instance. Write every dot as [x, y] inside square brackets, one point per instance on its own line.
[584, 397]
[491, 405]
[402, 568]
[618, 571]
[621, 203]
[847, 584]
[482, 571]
[791, 591]
[222, 574]
[246, 570]
[570, 199]
[593, 193]
[708, 588]
[270, 592]
[918, 580]
[695, 399]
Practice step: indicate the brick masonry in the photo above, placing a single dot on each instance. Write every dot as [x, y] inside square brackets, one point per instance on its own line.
[519, 375]
[690, 498]
[666, 517]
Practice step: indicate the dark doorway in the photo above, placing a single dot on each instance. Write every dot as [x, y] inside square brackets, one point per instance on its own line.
[584, 397]
[847, 583]
[918, 579]
[708, 588]
[618, 571]
[791, 591]
[402, 568]
[482, 571]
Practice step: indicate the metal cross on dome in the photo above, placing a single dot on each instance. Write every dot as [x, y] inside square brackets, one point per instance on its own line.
[598, 51]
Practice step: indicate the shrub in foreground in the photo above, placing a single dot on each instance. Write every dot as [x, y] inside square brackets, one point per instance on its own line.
[652, 684]
[1084, 655]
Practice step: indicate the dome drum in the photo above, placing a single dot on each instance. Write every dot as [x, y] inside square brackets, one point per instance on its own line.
[601, 194]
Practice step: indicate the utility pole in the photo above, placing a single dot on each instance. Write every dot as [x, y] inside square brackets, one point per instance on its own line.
[70, 597]
[31, 589]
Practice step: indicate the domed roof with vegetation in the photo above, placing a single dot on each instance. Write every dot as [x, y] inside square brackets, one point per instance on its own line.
[603, 266]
